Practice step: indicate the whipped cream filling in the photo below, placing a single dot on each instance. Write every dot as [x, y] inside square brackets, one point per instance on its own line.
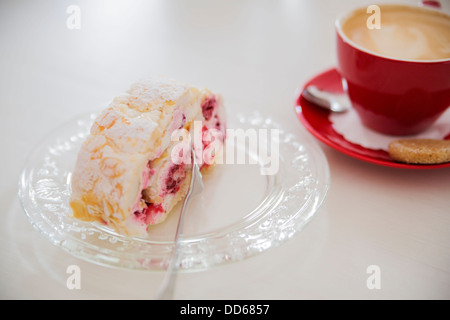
[140, 203]
[162, 179]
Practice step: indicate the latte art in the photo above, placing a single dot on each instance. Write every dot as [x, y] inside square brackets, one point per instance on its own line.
[406, 33]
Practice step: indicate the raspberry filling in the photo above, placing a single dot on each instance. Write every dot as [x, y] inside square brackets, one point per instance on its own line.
[208, 107]
[146, 215]
[205, 140]
[183, 121]
[174, 178]
[176, 172]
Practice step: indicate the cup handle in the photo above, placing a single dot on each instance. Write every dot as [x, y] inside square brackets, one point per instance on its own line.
[430, 3]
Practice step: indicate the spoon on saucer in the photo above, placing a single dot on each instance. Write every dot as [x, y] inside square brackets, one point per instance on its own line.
[331, 101]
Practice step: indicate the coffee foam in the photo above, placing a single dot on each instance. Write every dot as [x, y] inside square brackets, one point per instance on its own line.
[406, 33]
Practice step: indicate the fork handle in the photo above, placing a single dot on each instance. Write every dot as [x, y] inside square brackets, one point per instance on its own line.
[166, 290]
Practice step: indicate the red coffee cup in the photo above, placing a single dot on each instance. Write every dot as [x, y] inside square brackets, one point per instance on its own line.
[392, 95]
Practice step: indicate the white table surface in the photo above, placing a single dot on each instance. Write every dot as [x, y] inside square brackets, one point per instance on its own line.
[256, 52]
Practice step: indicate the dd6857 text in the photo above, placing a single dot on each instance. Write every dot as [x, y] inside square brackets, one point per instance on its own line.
[246, 309]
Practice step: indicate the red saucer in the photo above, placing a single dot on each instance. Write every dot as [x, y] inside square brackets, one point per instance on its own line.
[316, 121]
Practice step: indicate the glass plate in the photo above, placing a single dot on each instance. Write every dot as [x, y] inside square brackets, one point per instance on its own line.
[242, 212]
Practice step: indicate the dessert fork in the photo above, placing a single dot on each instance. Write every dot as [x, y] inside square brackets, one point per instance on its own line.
[167, 287]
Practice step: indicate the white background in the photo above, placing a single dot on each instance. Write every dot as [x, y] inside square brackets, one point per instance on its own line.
[257, 53]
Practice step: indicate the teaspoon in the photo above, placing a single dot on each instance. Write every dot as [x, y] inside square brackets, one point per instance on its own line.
[331, 101]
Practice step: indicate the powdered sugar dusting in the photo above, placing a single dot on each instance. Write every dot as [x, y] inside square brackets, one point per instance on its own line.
[153, 93]
[126, 129]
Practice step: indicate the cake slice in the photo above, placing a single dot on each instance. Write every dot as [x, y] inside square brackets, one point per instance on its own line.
[130, 172]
